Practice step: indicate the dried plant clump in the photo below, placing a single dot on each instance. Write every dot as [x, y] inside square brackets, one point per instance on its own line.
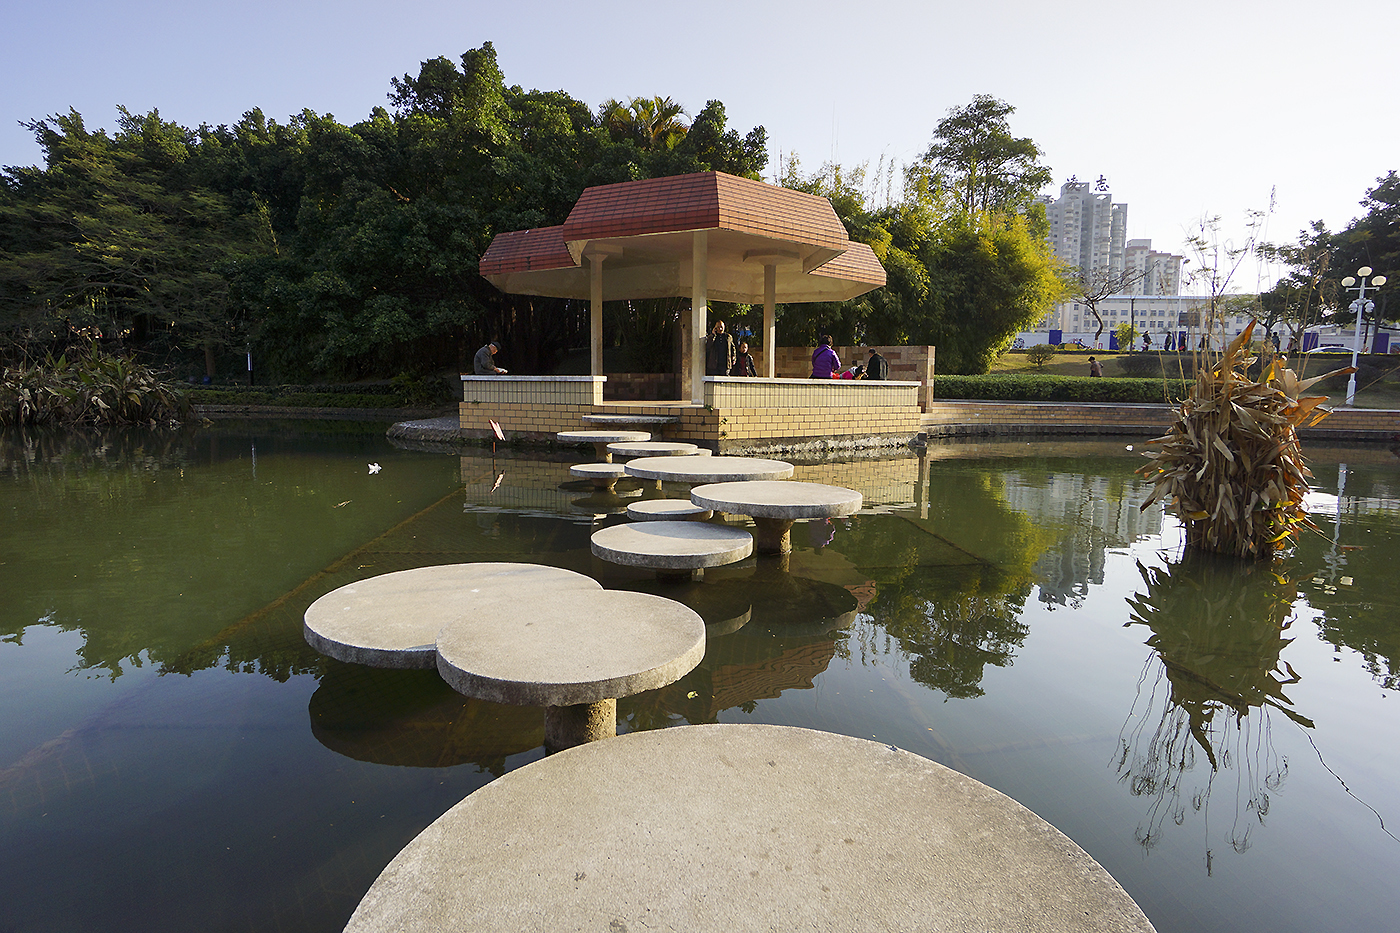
[1231, 467]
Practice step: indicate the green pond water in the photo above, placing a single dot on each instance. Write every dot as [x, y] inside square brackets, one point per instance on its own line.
[1223, 739]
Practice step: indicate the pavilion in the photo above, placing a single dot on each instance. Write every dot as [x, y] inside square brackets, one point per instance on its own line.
[704, 236]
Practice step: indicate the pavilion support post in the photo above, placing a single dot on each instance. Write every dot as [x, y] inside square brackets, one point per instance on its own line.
[699, 287]
[595, 315]
[770, 329]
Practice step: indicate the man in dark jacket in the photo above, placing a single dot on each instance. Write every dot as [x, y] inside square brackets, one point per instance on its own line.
[877, 367]
[719, 351]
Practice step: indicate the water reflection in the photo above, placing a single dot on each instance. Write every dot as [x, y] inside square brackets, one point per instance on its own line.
[1216, 674]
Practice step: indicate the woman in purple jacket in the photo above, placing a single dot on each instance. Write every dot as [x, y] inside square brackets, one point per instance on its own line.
[824, 360]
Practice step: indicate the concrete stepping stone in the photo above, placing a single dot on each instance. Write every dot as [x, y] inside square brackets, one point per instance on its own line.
[572, 652]
[675, 549]
[668, 510]
[699, 469]
[774, 506]
[653, 449]
[769, 828]
[601, 439]
[617, 421]
[603, 476]
[393, 620]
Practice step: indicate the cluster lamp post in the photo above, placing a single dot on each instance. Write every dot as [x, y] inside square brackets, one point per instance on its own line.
[1360, 306]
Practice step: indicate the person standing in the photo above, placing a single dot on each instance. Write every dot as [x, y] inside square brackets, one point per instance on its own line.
[877, 367]
[719, 351]
[483, 364]
[825, 362]
[1095, 367]
[743, 362]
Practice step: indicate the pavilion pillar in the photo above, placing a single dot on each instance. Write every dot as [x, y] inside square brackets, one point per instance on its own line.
[770, 328]
[699, 287]
[595, 313]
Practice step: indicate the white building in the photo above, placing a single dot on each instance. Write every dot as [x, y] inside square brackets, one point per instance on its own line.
[1158, 273]
[1087, 229]
[1183, 317]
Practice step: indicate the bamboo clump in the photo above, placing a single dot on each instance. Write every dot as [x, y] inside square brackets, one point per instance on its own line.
[1231, 467]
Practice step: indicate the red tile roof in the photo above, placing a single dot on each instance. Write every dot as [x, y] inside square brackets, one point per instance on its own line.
[704, 201]
[526, 250]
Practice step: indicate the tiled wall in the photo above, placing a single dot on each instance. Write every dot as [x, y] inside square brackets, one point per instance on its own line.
[534, 390]
[722, 392]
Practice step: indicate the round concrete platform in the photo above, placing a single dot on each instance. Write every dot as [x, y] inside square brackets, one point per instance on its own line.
[708, 469]
[573, 653]
[670, 547]
[393, 620]
[653, 449]
[774, 506]
[742, 828]
[601, 475]
[601, 439]
[615, 420]
[668, 510]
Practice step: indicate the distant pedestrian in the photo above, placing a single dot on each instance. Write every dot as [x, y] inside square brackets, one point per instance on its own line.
[483, 364]
[1167, 343]
[719, 351]
[825, 362]
[1146, 342]
[877, 367]
[1095, 367]
[743, 362]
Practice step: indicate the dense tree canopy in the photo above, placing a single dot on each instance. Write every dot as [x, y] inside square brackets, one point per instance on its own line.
[327, 250]
[975, 156]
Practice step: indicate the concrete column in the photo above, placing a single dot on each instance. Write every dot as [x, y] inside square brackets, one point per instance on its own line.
[567, 726]
[770, 328]
[699, 286]
[595, 317]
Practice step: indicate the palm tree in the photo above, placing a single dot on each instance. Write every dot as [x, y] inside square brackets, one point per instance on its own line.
[649, 122]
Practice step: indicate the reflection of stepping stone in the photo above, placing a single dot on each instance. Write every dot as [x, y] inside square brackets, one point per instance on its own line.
[606, 503]
[788, 829]
[667, 510]
[573, 653]
[601, 475]
[674, 549]
[601, 439]
[393, 620]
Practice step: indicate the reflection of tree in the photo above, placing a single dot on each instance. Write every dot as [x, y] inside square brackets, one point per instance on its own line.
[954, 623]
[1218, 631]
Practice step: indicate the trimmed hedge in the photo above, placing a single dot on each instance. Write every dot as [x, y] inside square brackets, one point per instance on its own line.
[1019, 388]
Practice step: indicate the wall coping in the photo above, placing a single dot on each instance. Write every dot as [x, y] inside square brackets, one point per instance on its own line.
[763, 380]
[466, 377]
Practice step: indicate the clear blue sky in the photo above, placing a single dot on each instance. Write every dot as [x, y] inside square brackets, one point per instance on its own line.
[1187, 108]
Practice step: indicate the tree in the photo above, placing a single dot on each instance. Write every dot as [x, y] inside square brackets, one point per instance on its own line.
[974, 154]
[648, 122]
[1297, 300]
[1371, 240]
[1092, 287]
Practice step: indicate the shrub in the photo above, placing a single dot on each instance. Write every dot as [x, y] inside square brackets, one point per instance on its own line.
[1040, 354]
[1155, 365]
[1040, 388]
[92, 388]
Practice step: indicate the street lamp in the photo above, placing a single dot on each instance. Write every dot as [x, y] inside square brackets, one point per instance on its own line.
[1360, 306]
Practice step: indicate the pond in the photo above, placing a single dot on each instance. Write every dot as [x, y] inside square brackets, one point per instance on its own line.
[173, 756]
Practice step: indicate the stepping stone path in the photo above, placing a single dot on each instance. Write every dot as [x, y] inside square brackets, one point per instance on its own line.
[774, 506]
[771, 828]
[674, 549]
[515, 633]
[694, 469]
[667, 510]
[653, 449]
[601, 439]
[601, 475]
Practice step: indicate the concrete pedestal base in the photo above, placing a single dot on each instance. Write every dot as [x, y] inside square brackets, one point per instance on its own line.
[567, 726]
[772, 535]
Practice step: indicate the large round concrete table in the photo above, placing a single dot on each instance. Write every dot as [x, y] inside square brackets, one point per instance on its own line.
[742, 828]
[393, 620]
[674, 549]
[775, 506]
[601, 439]
[708, 469]
[572, 652]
